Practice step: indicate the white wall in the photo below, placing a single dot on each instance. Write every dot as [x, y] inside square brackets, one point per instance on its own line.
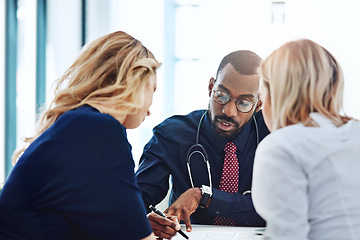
[63, 39]
[332, 24]
[26, 70]
[224, 26]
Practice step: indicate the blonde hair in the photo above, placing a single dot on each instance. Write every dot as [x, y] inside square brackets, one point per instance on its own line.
[303, 77]
[114, 69]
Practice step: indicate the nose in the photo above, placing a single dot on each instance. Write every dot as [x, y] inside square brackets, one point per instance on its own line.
[230, 109]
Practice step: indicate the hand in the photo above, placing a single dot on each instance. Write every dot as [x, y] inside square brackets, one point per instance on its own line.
[163, 227]
[185, 205]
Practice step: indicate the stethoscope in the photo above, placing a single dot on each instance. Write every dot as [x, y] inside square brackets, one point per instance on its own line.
[203, 152]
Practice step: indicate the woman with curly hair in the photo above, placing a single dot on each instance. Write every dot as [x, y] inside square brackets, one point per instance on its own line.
[75, 179]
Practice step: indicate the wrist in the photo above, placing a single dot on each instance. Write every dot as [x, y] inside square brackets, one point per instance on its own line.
[206, 194]
[197, 194]
[209, 201]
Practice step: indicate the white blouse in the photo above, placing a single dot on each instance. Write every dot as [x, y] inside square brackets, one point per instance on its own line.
[306, 181]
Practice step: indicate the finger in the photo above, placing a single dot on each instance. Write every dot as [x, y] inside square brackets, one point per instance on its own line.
[170, 221]
[162, 235]
[174, 222]
[170, 211]
[173, 218]
[163, 227]
[188, 224]
[164, 231]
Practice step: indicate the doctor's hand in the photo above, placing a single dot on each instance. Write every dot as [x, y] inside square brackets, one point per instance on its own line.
[163, 227]
[185, 205]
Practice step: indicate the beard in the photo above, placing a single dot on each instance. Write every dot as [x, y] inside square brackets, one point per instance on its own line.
[226, 134]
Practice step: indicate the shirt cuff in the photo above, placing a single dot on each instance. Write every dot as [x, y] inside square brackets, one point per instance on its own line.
[221, 203]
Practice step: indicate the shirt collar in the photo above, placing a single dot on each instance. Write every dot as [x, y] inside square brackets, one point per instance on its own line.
[219, 143]
[321, 120]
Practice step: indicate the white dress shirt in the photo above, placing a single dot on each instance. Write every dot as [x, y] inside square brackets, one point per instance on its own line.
[306, 182]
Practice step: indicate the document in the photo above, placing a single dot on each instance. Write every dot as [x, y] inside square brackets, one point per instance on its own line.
[208, 235]
[212, 232]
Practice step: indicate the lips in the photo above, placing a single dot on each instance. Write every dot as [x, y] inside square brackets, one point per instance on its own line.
[225, 125]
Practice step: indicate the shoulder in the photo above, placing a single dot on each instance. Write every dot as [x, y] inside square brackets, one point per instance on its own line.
[89, 115]
[88, 119]
[284, 136]
[282, 142]
[177, 123]
[354, 128]
[300, 145]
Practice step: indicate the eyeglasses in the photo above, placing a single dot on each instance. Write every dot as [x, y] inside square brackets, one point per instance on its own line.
[243, 105]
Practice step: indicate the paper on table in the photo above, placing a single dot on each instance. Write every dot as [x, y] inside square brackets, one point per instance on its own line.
[208, 235]
[260, 231]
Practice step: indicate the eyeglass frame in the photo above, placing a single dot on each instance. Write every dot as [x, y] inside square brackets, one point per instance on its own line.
[235, 100]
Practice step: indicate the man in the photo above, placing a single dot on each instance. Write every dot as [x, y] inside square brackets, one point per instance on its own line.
[233, 116]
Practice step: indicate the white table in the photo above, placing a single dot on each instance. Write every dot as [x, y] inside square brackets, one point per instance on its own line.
[211, 232]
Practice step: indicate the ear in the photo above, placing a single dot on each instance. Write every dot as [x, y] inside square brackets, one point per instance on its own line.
[211, 85]
[258, 105]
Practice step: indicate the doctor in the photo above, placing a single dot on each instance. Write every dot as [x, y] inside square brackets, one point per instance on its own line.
[207, 183]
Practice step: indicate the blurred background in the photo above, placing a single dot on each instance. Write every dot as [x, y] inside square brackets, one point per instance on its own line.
[40, 39]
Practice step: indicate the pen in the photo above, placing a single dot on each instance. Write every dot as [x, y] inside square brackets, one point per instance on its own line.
[157, 211]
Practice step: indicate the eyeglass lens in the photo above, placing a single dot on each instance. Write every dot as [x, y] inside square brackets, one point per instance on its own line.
[243, 105]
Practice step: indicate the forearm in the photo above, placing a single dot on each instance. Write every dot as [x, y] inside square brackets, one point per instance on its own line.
[235, 206]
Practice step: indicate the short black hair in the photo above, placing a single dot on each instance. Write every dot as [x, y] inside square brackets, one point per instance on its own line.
[245, 62]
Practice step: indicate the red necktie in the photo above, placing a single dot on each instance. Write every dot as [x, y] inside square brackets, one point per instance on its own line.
[230, 178]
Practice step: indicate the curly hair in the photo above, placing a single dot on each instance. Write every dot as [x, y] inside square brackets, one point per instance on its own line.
[114, 68]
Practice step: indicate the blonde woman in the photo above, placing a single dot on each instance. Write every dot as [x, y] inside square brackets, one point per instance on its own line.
[76, 178]
[306, 173]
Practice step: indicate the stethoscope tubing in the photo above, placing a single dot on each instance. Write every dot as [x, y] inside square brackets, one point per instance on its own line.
[204, 153]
